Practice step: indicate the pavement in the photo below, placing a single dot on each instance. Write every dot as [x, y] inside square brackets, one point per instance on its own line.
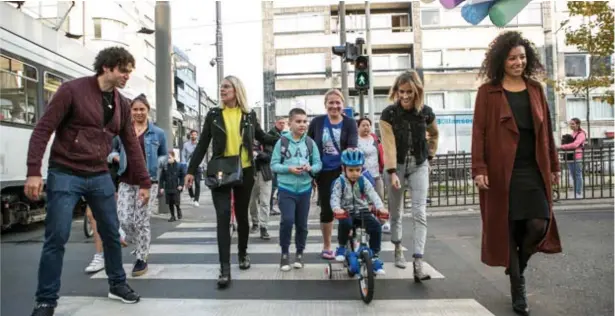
[184, 261]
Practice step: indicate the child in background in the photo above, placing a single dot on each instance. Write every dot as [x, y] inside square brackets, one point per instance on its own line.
[172, 183]
[295, 160]
[353, 192]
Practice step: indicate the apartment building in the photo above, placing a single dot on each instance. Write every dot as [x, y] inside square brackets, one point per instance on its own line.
[573, 64]
[299, 65]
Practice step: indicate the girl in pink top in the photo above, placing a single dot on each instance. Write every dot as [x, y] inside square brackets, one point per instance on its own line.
[575, 166]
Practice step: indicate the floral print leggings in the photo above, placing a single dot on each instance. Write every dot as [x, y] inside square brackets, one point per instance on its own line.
[135, 217]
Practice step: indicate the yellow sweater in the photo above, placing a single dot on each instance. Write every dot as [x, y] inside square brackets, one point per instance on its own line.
[232, 122]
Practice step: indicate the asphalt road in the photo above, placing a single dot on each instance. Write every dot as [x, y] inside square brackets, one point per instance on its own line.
[183, 269]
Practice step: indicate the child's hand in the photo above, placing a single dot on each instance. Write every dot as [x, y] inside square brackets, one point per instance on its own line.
[161, 191]
[295, 170]
[179, 188]
[338, 211]
[307, 168]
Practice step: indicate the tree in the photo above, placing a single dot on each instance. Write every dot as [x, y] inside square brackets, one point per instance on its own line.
[595, 37]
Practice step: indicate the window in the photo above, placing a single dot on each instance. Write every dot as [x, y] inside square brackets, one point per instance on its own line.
[598, 110]
[304, 22]
[575, 65]
[432, 59]
[460, 100]
[400, 23]
[18, 91]
[435, 100]
[51, 85]
[430, 17]
[464, 57]
[530, 15]
[109, 30]
[302, 63]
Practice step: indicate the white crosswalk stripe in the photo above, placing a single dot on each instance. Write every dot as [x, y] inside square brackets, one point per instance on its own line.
[183, 268]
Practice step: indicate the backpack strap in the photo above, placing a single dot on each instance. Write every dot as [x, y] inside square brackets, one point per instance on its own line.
[362, 186]
[283, 148]
[310, 148]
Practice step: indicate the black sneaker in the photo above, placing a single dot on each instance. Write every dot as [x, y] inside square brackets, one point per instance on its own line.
[264, 234]
[298, 261]
[254, 229]
[139, 268]
[244, 262]
[43, 309]
[123, 293]
[284, 263]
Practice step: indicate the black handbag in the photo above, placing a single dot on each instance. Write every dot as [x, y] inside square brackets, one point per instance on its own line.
[225, 171]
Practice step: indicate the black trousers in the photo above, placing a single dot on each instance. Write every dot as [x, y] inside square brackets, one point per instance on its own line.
[195, 190]
[222, 203]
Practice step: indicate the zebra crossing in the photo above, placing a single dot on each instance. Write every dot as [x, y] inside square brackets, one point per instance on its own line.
[183, 269]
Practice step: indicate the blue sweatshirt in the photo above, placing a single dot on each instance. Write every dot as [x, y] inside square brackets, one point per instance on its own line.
[296, 155]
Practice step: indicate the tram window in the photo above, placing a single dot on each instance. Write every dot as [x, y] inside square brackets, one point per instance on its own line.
[52, 83]
[18, 91]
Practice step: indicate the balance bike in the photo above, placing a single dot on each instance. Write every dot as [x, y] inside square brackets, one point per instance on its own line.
[358, 257]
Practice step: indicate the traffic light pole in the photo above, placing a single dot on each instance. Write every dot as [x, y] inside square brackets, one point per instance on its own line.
[361, 104]
[344, 75]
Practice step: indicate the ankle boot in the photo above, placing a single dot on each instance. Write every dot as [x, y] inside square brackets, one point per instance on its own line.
[518, 295]
[172, 219]
[419, 275]
[224, 279]
[179, 213]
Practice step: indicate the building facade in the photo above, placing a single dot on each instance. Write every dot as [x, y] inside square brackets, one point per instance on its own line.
[299, 66]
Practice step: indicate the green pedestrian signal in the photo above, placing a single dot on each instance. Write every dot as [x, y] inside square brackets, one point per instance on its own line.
[361, 73]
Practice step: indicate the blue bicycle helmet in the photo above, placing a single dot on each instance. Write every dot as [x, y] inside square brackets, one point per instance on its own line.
[353, 157]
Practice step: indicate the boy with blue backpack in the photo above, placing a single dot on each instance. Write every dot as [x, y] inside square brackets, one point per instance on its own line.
[353, 192]
[295, 161]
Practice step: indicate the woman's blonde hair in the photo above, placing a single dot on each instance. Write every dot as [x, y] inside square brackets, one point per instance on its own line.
[337, 93]
[411, 77]
[240, 94]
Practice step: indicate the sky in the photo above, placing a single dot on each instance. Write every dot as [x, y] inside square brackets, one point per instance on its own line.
[194, 32]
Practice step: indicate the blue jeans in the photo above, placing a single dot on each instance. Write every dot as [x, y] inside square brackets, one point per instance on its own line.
[372, 226]
[63, 192]
[576, 173]
[294, 209]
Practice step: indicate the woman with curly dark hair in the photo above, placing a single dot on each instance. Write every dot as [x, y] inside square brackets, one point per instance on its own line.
[514, 161]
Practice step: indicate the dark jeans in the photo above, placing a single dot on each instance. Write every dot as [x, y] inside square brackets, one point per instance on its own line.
[372, 226]
[195, 190]
[294, 209]
[222, 203]
[63, 192]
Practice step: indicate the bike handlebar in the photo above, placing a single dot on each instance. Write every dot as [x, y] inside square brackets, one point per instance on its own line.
[374, 211]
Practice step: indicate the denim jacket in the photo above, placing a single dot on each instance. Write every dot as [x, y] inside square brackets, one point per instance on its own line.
[155, 152]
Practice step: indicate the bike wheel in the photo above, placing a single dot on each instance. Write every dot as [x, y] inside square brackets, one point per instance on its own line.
[366, 279]
[555, 195]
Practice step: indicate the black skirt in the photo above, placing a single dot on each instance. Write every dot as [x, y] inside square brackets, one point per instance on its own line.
[173, 198]
[528, 198]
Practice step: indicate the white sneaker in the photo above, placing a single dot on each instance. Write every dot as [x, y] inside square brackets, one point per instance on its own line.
[196, 204]
[97, 264]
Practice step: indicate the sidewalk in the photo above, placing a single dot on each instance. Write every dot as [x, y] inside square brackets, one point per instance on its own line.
[205, 210]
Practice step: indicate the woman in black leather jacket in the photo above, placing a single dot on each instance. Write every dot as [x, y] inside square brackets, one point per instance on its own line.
[223, 129]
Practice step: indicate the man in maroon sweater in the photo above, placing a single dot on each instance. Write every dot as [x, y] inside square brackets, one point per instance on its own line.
[85, 114]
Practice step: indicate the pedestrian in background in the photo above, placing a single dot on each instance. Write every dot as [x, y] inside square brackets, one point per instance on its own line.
[172, 184]
[261, 192]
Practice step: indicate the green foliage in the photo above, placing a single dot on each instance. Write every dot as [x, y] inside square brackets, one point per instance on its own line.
[594, 36]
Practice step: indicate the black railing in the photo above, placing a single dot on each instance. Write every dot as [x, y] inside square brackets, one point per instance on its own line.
[451, 184]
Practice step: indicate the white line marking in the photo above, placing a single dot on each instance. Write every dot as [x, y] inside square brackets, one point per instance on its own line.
[252, 248]
[212, 234]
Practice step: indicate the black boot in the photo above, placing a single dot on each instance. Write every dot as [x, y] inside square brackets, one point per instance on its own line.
[179, 212]
[519, 295]
[172, 210]
[225, 276]
[244, 261]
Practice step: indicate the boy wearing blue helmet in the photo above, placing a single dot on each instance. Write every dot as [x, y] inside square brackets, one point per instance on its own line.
[353, 193]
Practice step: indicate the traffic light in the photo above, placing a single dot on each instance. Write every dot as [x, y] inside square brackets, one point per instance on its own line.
[361, 73]
[348, 52]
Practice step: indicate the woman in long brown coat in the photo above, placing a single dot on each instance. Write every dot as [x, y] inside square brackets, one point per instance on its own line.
[514, 161]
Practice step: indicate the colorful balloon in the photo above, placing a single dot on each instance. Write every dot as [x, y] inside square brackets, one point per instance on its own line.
[451, 4]
[503, 11]
[474, 13]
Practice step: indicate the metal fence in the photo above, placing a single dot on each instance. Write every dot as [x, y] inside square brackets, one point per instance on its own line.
[451, 184]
